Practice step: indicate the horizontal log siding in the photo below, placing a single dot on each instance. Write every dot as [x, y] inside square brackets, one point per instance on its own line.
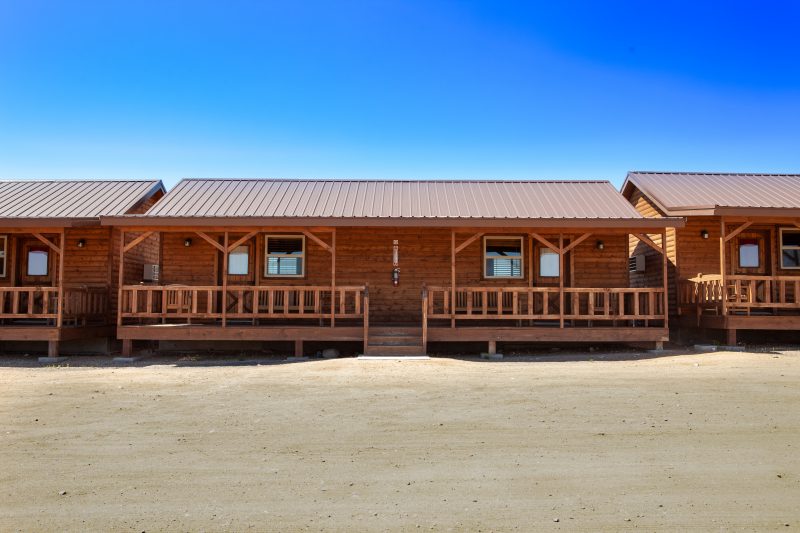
[651, 277]
[364, 256]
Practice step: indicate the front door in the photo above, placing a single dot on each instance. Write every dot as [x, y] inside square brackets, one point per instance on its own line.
[750, 257]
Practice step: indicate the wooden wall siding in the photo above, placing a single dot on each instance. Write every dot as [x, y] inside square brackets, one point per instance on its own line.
[364, 256]
[697, 255]
[188, 265]
[147, 252]
[651, 277]
[604, 268]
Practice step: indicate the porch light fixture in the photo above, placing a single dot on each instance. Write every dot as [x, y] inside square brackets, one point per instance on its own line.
[187, 242]
[81, 243]
[600, 245]
[704, 233]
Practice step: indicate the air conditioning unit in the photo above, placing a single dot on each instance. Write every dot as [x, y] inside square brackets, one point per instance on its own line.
[150, 273]
[636, 263]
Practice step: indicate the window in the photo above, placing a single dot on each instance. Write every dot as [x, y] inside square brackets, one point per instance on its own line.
[285, 256]
[37, 261]
[748, 253]
[239, 261]
[3, 248]
[548, 263]
[790, 248]
[502, 257]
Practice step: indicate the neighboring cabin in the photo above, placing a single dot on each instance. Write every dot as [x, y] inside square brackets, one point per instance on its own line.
[391, 265]
[58, 271]
[735, 265]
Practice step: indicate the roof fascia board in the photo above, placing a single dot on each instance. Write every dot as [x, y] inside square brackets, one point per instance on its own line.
[144, 220]
[48, 222]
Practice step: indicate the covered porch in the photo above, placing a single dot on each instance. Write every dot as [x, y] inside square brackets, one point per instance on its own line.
[386, 288]
[757, 284]
[37, 302]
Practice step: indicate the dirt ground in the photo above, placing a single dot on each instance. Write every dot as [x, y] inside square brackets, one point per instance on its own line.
[693, 442]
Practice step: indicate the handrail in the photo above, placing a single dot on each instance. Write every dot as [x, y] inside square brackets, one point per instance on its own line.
[544, 303]
[242, 301]
[80, 302]
[741, 293]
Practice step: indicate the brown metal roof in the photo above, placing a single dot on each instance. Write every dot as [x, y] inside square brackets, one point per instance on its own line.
[53, 200]
[682, 193]
[361, 202]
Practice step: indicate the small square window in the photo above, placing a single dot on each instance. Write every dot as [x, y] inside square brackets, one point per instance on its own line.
[790, 248]
[239, 261]
[502, 257]
[285, 256]
[548, 263]
[37, 262]
[3, 247]
[749, 253]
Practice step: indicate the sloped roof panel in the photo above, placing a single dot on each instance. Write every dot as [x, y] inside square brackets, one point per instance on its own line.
[683, 191]
[71, 199]
[376, 199]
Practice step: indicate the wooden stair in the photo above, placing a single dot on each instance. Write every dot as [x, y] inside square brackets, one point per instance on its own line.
[395, 342]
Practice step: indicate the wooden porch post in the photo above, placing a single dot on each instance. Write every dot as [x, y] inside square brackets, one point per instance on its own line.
[62, 249]
[666, 278]
[724, 288]
[452, 278]
[120, 276]
[333, 278]
[225, 282]
[561, 280]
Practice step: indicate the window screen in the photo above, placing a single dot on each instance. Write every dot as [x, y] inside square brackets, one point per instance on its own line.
[37, 262]
[748, 253]
[548, 263]
[239, 261]
[285, 256]
[790, 249]
[3, 247]
[503, 257]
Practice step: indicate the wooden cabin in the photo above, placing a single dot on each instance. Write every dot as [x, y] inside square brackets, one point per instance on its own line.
[392, 265]
[735, 265]
[58, 273]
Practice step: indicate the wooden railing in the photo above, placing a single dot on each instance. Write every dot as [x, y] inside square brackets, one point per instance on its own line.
[741, 293]
[29, 302]
[241, 302]
[544, 303]
[80, 303]
[86, 303]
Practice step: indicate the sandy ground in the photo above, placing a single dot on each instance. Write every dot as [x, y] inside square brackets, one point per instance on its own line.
[694, 442]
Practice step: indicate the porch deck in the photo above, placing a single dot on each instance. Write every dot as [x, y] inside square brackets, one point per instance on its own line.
[309, 313]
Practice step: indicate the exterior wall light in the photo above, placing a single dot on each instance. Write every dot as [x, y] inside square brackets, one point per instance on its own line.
[704, 233]
[187, 242]
[600, 245]
[81, 243]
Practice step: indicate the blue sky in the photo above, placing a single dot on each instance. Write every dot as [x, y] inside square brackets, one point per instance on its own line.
[396, 89]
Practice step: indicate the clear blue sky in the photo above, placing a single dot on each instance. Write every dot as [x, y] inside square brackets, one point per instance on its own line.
[394, 89]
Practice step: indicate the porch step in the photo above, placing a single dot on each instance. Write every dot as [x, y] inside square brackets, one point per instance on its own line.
[395, 340]
[395, 350]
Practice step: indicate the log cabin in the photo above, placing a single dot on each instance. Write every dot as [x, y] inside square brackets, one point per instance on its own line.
[735, 265]
[57, 268]
[394, 266]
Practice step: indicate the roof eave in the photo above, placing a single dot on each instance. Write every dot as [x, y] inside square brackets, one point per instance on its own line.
[39, 222]
[599, 223]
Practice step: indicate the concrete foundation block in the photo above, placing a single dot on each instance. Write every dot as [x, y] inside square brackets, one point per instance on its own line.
[51, 360]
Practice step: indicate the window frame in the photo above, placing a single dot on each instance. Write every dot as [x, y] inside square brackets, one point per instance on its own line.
[546, 250]
[758, 243]
[484, 257]
[37, 249]
[4, 256]
[267, 256]
[247, 264]
[782, 247]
